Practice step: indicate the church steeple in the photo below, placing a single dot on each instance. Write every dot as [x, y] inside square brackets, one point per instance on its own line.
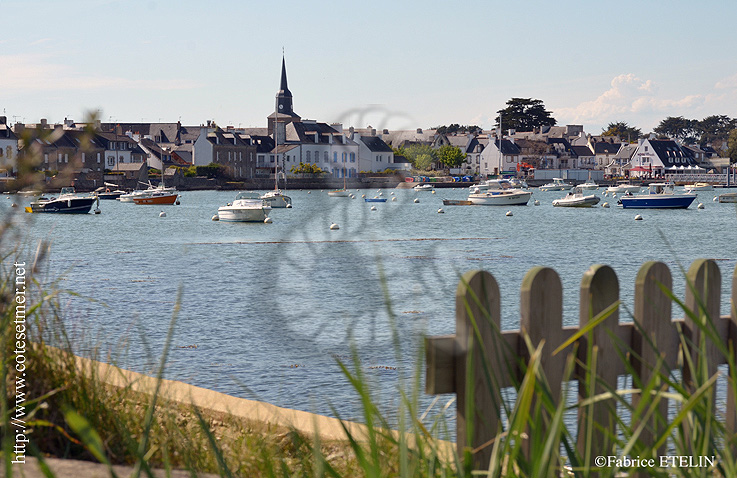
[284, 97]
[284, 113]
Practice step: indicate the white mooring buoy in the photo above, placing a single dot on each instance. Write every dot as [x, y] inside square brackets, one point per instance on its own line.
[215, 217]
[417, 200]
[334, 227]
[162, 214]
[509, 214]
[605, 205]
[638, 218]
[700, 206]
[268, 220]
[440, 211]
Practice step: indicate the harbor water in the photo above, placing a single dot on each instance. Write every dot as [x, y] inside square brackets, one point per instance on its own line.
[267, 310]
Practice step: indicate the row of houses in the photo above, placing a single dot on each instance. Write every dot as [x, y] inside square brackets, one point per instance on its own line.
[288, 141]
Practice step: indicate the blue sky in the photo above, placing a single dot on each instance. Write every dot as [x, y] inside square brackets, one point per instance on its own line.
[388, 64]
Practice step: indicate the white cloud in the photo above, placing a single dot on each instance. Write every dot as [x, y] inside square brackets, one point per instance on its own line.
[34, 73]
[629, 98]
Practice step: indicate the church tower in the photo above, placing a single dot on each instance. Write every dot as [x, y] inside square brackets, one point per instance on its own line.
[284, 113]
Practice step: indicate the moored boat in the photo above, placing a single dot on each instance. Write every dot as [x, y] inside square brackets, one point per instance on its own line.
[424, 187]
[375, 199]
[246, 207]
[727, 198]
[68, 202]
[623, 187]
[276, 199]
[500, 193]
[698, 187]
[576, 198]
[558, 184]
[658, 196]
[157, 197]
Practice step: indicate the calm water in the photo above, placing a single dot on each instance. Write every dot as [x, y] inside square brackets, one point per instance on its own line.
[271, 306]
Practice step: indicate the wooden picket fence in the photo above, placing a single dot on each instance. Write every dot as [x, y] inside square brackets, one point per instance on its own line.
[496, 355]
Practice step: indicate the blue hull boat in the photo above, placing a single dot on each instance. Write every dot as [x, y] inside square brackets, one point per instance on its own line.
[375, 199]
[658, 196]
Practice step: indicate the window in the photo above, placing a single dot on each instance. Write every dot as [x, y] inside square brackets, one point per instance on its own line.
[308, 156]
[46, 158]
[271, 158]
[111, 160]
[98, 158]
[335, 156]
[325, 157]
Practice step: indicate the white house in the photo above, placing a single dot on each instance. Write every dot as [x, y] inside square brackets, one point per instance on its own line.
[493, 162]
[659, 157]
[8, 148]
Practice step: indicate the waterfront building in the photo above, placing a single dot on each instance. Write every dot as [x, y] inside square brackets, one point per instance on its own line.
[493, 162]
[660, 157]
[8, 149]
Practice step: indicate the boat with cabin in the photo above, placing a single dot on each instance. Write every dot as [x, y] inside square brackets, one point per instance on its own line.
[558, 184]
[658, 196]
[499, 192]
[623, 187]
[67, 202]
[246, 207]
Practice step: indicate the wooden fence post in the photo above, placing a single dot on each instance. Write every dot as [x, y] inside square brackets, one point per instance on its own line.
[703, 296]
[732, 343]
[541, 318]
[656, 341]
[599, 290]
[477, 344]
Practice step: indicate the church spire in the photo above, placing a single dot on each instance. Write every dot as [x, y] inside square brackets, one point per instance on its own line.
[284, 96]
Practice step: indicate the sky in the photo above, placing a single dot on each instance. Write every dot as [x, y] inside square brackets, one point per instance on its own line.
[387, 64]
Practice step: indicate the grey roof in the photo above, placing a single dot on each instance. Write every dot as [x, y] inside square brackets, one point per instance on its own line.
[508, 147]
[376, 144]
[606, 148]
[582, 151]
[128, 166]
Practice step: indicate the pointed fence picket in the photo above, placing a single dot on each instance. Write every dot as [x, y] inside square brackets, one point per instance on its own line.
[481, 353]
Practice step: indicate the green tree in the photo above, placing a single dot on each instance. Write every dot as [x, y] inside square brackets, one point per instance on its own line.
[450, 156]
[422, 156]
[623, 130]
[456, 128]
[306, 168]
[680, 128]
[524, 114]
[732, 146]
[715, 128]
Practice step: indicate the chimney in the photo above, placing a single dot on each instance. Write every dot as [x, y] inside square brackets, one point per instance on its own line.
[3, 120]
[44, 123]
[385, 131]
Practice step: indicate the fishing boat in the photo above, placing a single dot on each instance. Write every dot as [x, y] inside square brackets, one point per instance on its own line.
[658, 196]
[246, 207]
[67, 202]
[576, 198]
[500, 193]
[157, 197]
[558, 184]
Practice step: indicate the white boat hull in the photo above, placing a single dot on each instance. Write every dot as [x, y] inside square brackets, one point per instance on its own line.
[579, 201]
[340, 193]
[233, 214]
[519, 198]
[623, 189]
[728, 198]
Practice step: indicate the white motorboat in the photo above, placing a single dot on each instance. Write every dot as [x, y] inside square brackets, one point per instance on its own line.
[424, 187]
[277, 199]
[623, 187]
[728, 198]
[558, 184]
[499, 192]
[518, 183]
[588, 186]
[576, 198]
[145, 193]
[246, 207]
[698, 187]
[339, 193]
